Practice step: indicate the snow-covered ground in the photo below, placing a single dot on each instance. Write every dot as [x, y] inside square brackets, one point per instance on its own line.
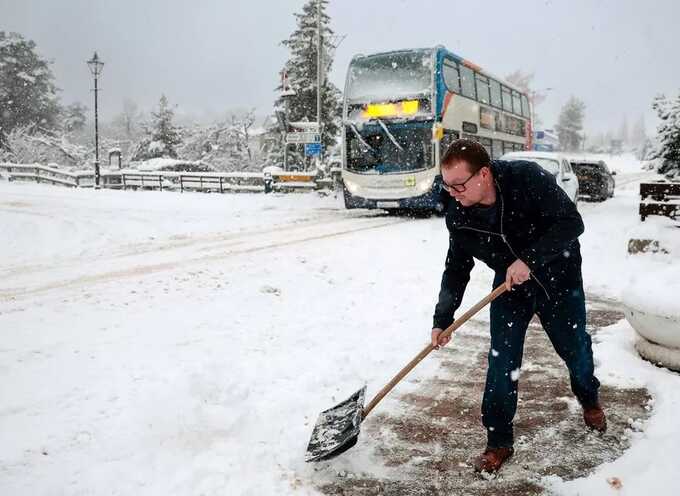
[164, 343]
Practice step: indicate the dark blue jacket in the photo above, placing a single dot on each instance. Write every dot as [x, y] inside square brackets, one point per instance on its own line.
[539, 225]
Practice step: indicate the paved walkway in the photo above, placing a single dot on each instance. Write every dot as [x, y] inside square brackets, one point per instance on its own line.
[438, 431]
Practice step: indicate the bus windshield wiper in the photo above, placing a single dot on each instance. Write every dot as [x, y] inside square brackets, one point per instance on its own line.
[359, 137]
[389, 135]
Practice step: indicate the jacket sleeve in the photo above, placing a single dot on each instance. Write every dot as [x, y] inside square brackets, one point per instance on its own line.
[562, 224]
[454, 281]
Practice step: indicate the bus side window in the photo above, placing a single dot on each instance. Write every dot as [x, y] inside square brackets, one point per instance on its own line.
[482, 89]
[450, 72]
[507, 99]
[525, 106]
[496, 94]
[467, 82]
[516, 103]
[448, 138]
[496, 149]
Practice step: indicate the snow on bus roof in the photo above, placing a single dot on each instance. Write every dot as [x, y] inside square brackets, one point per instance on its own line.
[453, 55]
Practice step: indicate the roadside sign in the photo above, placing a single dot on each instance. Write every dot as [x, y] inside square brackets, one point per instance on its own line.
[312, 149]
[297, 138]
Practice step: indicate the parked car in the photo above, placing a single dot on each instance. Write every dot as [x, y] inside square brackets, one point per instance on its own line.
[594, 178]
[555, 163]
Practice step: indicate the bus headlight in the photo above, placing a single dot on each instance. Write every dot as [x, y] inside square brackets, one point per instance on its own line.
[351, 186]
[424, 187]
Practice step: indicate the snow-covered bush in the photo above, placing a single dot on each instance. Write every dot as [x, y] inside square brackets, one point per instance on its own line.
[24, 145]
[668, 136]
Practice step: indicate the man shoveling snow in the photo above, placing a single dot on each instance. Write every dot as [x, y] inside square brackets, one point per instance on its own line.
[516, 219]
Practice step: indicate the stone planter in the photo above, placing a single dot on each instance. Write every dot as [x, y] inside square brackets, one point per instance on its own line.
[658, 335]
[652, 301]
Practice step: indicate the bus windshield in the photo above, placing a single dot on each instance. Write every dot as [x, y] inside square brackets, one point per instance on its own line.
[376, 153]
[389, 77]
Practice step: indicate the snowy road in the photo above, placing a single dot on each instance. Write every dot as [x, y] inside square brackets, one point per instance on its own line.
[156, 343]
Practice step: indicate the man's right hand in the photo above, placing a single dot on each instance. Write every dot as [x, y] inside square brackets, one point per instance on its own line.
[439, 340]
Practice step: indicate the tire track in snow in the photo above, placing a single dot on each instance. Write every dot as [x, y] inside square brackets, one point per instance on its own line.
[184, 255]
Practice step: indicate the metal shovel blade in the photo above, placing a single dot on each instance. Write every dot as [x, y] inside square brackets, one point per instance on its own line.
[337, 429]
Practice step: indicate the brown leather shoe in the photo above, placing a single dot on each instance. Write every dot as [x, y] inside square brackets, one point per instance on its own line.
[492, 459]
[594, 418]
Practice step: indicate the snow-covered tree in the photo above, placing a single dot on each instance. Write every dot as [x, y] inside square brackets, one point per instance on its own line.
[161, 135]
[74, 117]
[28, 96]
[225, 145]
[28, 145]
[298, 101]
[570, 124]
[638, 135]
[623, 133]
[525, 81]
[668, 135]
[128, 122]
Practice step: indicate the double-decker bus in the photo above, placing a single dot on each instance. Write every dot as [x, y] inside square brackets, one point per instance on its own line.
[403, 108]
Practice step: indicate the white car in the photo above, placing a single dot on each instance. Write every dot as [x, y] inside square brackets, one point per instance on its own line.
[555, 163]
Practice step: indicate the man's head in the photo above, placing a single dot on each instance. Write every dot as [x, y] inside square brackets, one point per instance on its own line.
[466, 172]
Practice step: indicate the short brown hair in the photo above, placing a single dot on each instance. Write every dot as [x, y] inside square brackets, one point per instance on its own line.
[469, 151]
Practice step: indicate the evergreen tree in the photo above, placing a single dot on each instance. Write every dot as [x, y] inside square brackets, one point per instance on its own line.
[668, 135]
[28, 96]
[74, 117]
[638, 135]
[161, 135]
[623, 131]
[127, 123]
[300, 73]
[570, 124]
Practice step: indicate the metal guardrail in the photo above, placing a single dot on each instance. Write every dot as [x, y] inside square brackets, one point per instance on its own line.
[665, 199]
[227, 182]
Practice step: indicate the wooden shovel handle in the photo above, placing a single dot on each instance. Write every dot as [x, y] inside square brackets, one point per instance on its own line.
[426, 351]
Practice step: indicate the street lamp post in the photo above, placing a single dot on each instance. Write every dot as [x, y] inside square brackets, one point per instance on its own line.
[96, 67]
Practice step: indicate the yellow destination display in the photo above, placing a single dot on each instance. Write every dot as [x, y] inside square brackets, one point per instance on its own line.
[399, 109]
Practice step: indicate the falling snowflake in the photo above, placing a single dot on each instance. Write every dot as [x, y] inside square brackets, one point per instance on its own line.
[514, 375]
[494, 352]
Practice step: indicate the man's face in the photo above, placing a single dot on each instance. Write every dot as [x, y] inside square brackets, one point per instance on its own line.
[457, 173]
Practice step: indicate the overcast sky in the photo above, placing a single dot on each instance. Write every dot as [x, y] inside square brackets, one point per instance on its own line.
[208, 56]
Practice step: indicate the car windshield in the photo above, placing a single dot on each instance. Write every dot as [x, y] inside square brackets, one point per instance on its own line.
[588, 167]
[390, 76]
[552, 166]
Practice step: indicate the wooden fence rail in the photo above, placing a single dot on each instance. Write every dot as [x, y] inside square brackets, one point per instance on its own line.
[227, 182]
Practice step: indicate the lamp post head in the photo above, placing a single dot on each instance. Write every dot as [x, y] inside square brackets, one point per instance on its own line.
[95, 65]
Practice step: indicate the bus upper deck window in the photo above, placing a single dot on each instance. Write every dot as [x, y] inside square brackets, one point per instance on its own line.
[525, 106]
[516, 103]
[450, 71]
[507, 99]
[467, 81]
[496, 94]
[483, 89]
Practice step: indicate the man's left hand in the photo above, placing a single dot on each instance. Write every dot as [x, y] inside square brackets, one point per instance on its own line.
[518, 272]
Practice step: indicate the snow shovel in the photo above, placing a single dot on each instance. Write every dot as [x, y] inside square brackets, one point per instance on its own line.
[337, 429]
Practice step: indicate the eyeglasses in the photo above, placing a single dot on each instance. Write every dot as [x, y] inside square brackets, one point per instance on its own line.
[459, 187]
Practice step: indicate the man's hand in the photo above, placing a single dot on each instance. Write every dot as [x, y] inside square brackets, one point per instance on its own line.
[437, 339]
[517, 273]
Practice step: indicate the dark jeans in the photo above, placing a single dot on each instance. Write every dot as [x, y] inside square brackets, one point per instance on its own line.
[563, 317]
